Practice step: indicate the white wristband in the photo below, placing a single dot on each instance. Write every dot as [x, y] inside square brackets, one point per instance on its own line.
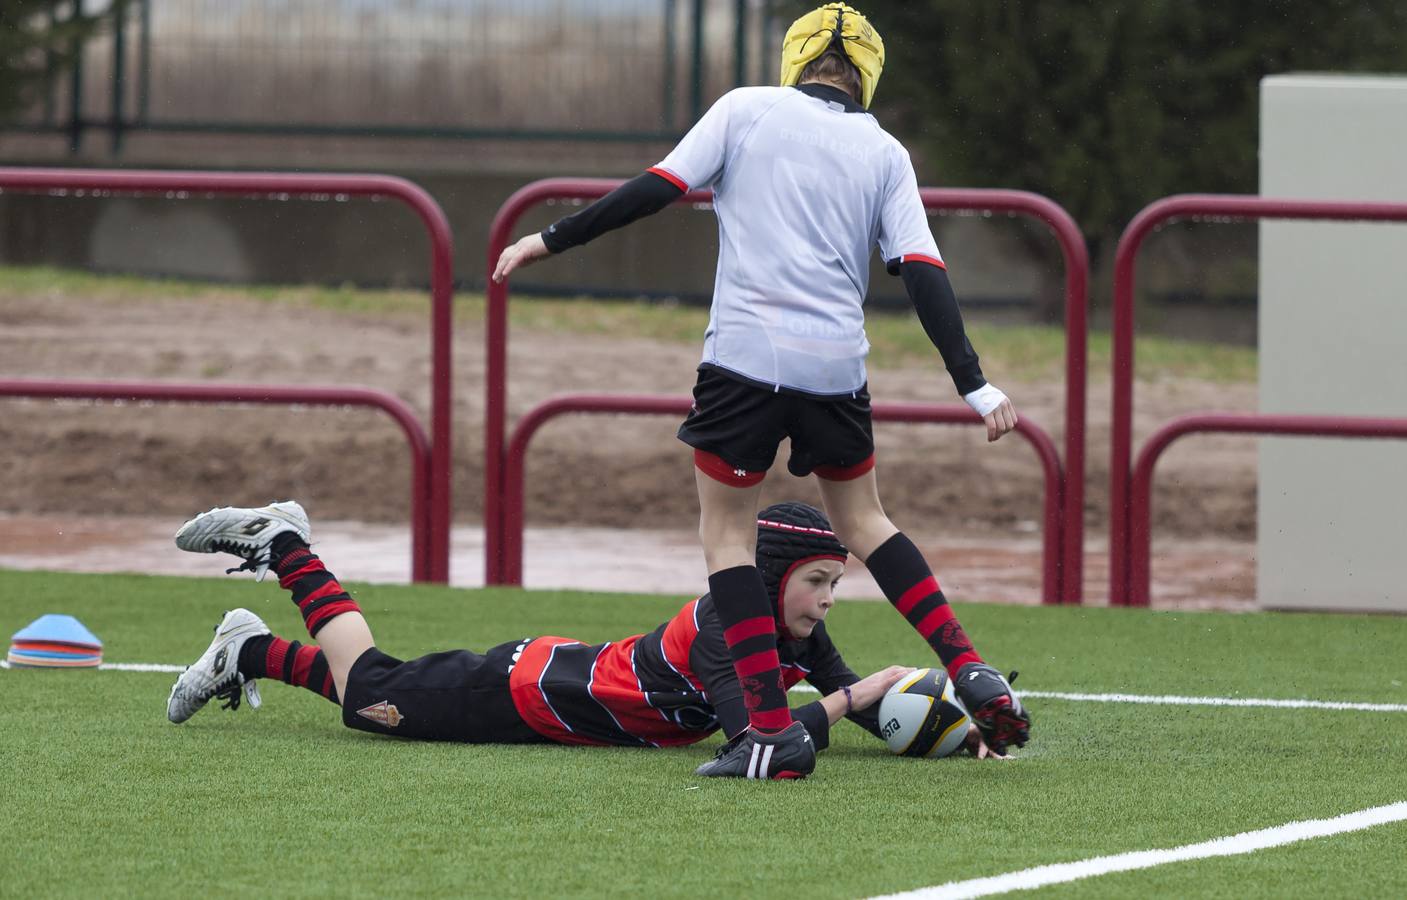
[985, 399]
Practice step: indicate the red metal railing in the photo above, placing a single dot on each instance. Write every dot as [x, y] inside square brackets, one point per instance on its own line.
[1069, 537]
[1122, 590]
[1140, 494]
[179, 185]
[269, 395]
[515, 475]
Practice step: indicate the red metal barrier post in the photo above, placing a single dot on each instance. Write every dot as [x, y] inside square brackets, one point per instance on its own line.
[515, 475]
[180, 185]
[1121, 586]
[264, 394]
[1070, 536]
[1140, 496]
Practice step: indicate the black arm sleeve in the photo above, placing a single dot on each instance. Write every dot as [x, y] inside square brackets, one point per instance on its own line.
[828, 674]
[818, 724]
[937, 308]
[642, 195]
[713, 666]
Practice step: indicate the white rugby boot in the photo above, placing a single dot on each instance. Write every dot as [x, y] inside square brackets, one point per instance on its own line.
[216, 673]
[247, 533]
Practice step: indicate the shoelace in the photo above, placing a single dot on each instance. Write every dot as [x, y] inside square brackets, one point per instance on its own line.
[231, 690]
[238, 548]
[729, 746]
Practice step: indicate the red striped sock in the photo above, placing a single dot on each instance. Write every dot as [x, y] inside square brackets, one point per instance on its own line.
[300, 665]
[320, 598]
[903, 574]
[740, 596]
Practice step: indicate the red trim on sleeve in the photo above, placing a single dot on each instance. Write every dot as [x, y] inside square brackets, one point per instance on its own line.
[924, 258]
[720, 470]
[749, 628]
[845, 473]
[910, 598]
[670, 177]
[792, 676]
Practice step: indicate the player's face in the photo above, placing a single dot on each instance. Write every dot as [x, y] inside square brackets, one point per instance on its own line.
[810, 594]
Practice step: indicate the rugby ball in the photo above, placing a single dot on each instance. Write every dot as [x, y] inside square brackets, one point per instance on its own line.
[922, 716]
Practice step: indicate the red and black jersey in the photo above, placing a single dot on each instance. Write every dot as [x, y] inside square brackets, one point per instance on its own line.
[673, 686]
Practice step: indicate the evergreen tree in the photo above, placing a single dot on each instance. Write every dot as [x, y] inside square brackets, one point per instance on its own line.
[38, 40]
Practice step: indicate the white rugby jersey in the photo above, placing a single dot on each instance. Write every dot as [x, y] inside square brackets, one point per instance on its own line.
[803, 191]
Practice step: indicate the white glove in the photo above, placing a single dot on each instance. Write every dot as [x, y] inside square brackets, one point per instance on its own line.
[985, 399]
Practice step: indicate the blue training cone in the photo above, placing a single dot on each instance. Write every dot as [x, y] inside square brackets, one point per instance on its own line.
[55, 641]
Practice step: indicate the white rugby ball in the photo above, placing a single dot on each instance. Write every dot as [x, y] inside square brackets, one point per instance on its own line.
[922, 716]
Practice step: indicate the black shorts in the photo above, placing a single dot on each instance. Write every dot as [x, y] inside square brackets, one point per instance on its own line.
[457, 695]
[742, 424]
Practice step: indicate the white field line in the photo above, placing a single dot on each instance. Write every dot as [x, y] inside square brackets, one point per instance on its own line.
[121, 667]
[1157, 699]
[1173, 700]
[1232, 845]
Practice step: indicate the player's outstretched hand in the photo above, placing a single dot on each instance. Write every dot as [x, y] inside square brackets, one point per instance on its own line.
[524, 252]
[994, 407]
[978, 747]
[870, 690]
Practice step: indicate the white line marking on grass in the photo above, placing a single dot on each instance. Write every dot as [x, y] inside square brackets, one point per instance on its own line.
[141, 667]
[114, 667]
[1165, 700]
[1174, 700]
[1232, 845]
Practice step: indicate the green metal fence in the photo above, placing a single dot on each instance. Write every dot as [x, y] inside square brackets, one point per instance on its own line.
[577, 70]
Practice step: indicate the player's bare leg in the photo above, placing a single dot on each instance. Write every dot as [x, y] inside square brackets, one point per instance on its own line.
[856, 514]
[343, 640]
[773, 746]
[906, 579]
[727, 522]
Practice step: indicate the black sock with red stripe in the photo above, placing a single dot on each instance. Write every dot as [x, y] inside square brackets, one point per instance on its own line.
[319, 597]
[740, 597]
[305, 666]
[904, 576]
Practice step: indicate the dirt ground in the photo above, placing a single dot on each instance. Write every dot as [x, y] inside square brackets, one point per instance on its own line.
[166, 461]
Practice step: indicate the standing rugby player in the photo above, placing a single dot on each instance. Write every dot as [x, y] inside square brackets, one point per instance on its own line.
[805, 184]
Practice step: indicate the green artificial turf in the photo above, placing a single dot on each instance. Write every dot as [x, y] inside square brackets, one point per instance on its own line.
[103, 797]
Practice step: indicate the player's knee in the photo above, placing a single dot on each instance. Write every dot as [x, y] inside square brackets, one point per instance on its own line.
[864, 533]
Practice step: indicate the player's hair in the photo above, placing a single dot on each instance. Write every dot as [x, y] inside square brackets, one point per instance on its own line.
[832, 67]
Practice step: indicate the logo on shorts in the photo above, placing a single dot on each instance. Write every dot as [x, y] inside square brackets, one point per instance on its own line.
[741, 473]
[382, 713]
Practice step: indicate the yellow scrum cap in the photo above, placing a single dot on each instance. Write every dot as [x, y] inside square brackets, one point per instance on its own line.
[810, 36]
